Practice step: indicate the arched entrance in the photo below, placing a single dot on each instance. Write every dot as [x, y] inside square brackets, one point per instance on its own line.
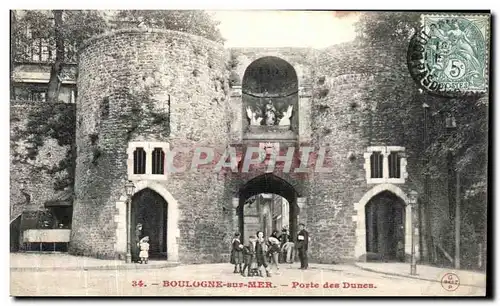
[392, 194]
[268, 189]
[385, 227]
[151, 210]
[270, 94]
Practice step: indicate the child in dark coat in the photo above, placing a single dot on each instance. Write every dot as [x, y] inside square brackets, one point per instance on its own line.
[236, 253]
[250, 260]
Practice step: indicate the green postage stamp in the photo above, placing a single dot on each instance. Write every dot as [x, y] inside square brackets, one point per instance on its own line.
[454, 53]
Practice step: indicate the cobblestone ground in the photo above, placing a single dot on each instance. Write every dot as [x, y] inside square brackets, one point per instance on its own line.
[188, 281]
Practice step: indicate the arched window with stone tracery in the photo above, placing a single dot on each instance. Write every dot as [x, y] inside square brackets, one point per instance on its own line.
[146, 160]
[139, 161]
[158, 161]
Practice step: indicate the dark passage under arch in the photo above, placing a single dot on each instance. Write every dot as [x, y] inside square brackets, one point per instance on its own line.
[385, 228]
[268, 184]
[150, 209]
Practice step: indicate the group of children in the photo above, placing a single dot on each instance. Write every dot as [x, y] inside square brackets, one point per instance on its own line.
[244, 255]
[248, 259]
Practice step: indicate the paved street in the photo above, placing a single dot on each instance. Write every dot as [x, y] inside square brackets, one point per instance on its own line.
[194, 279]
[36, 262]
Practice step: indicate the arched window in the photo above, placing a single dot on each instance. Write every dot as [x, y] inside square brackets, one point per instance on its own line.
[139, 161]
[394, 165]
[158, 161]
[376, 161]
[385, 164]
[146, 160]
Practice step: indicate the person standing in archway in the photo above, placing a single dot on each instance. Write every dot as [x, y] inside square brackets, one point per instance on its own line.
[287, 247]
[302, 246]
[144, 250]
[261, 252]
[274, 249]
[283, 239]
[249, 257]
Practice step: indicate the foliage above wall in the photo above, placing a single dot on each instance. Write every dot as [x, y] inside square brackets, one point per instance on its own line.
[231, 66]
[56, 121]
[468, 141]
[195, 22]
[144, 115]
[389, 28]
[74, 27]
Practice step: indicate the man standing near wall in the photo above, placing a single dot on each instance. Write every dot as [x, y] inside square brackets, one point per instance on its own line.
[284, 238]
[302, 246]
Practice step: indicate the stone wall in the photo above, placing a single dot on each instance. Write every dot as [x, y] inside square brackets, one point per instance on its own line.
[160, 86]
[357, 94]
[37, 168]
[331, 205]
[364, 96]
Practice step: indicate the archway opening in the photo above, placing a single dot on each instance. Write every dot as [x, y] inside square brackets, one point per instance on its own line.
[385, 228]
[267, 203]
[151, 210]
[270, 96]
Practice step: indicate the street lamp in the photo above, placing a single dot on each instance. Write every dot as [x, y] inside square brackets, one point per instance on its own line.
[454, 174]
[424, 213]
[129, 190]
[412, 202]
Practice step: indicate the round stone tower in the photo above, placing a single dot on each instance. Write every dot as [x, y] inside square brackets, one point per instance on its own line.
[140, 94]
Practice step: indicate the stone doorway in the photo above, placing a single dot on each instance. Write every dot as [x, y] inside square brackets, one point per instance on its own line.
[385, 228]
[151, 210]
[267, 203]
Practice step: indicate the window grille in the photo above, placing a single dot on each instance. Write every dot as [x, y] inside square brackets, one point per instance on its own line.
[376, 161]
[158, 166]
[394, 165]
[139, 161]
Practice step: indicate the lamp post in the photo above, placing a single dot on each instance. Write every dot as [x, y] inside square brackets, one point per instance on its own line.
[424, 220]
[129, 190]
[454, 197]
[412, 203]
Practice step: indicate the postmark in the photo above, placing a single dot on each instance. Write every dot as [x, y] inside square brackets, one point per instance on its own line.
[449, 54]
[450, 282]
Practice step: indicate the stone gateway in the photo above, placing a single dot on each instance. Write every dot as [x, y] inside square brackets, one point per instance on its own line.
[145, 94]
